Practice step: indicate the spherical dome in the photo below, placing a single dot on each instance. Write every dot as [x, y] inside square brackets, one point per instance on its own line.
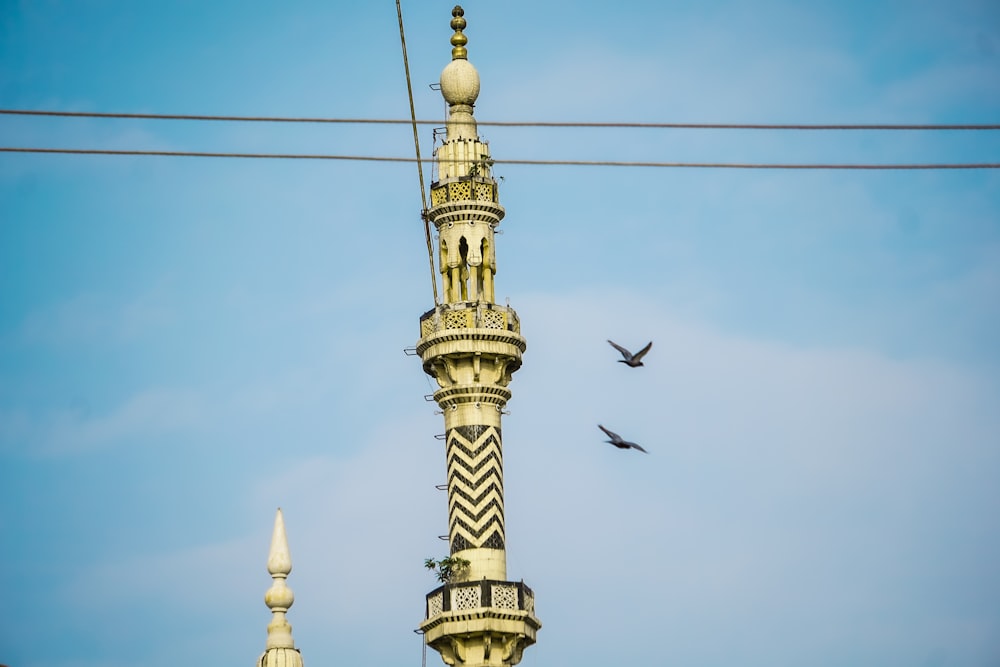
[460, 82]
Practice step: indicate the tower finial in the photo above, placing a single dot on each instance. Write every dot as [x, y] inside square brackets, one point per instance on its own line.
[458, 40]
[280, 648]
[460, 82]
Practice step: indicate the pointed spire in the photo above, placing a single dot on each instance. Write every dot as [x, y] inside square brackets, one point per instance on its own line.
[280, 648]
[279, 560]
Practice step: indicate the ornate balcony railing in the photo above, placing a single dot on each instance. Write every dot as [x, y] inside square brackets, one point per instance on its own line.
[469, 315]
[487, 593]
[464, 189]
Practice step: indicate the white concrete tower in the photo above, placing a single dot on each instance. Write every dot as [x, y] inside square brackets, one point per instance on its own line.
[280, 649]
[472, 346]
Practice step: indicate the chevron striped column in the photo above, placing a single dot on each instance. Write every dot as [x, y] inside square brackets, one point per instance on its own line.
[475, 497]
[473, 366]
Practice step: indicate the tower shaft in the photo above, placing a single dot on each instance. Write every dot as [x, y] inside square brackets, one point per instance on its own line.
[472, 346]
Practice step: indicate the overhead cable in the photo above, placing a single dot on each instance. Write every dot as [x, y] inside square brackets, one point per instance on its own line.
[579, 163]
[547, 124]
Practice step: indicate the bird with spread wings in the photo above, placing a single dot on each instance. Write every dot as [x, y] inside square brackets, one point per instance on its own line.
[629, 359]
[619, 442]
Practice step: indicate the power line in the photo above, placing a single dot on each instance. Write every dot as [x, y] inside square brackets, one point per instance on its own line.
[578, 163]
[416, 148]
[547, 124]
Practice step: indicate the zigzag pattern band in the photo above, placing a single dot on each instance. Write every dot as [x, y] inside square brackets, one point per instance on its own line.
[475, 488]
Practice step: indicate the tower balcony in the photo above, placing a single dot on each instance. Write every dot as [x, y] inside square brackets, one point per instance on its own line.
[473, 595]
[465, 198]
[464, 189]
[486, 606]
[471, 343]
[469, 315]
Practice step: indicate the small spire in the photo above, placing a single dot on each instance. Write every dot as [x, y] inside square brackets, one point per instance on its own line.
[279, 560]
[458, 40]
[280, 648]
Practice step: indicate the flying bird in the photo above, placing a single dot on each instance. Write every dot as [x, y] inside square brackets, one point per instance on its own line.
[630, 359]
[618, 442]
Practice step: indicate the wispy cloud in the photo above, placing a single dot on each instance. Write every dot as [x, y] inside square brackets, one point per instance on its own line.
[149, 414]
[93, 317]
[764, 457]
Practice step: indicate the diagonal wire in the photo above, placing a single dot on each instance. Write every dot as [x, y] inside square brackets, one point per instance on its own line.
[420, 169]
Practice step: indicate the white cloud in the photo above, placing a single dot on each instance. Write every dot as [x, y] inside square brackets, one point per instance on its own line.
[358, 526]
[779, 476]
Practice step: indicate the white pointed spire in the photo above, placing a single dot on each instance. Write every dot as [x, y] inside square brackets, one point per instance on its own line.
[279, 560]
[280, 648]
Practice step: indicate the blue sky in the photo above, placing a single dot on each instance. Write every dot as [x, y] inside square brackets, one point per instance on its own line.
[187, 344]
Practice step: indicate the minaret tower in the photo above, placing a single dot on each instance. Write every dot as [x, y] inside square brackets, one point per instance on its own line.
[280, 649]
[471, 345]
